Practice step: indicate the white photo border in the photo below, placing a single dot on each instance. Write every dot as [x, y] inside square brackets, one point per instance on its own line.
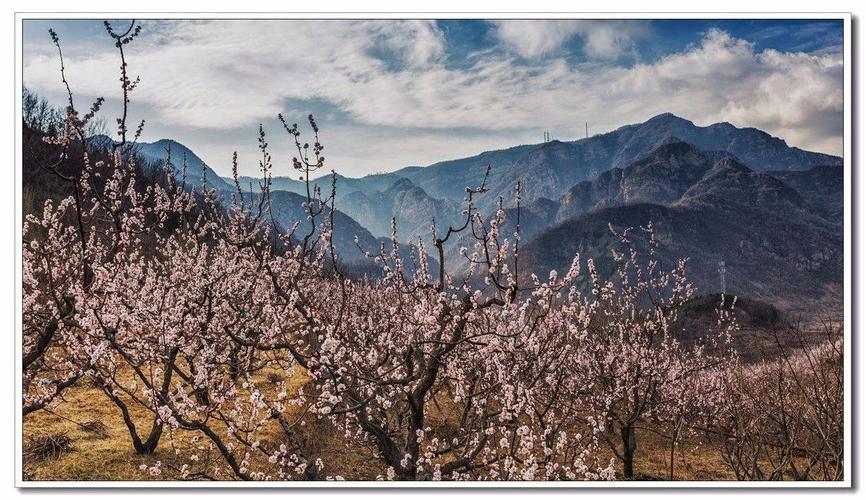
[847, 482]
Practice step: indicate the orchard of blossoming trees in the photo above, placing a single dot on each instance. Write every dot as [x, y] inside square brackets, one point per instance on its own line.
[196, 308]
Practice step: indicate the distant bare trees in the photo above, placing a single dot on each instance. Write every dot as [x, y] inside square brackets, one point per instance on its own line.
[783, 418]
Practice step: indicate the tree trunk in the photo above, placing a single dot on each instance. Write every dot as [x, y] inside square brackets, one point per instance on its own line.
[149, 446]
[141, 448]
[629, 445]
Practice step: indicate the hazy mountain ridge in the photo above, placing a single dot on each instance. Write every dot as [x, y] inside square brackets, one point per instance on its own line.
[411, 206]
[713, 193]
[157, 153]
[350, 238]
[553, 170]
[345, 185]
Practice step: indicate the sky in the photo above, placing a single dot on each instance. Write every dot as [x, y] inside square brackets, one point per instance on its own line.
[394, 93]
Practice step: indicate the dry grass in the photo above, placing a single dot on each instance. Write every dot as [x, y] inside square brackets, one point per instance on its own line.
[103, 451]
[696, 461]
[96, 456]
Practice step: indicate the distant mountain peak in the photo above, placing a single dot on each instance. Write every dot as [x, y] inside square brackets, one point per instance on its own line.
[667, 117]
[723, 125]
[101, 141]
[155, 153]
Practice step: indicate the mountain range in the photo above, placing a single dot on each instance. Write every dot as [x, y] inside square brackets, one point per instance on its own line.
[772, 212]
[777, 246]
[549, 170]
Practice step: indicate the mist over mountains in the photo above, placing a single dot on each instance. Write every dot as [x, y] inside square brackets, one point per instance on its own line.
[772, 212]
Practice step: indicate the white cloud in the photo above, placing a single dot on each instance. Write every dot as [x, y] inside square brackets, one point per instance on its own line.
[234, 73]
[418, 43]
[532, 39]
[603, 39]
[224, 76]
[795, 96]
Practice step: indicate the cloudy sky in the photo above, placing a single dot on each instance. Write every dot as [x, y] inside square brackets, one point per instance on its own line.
[388, 94]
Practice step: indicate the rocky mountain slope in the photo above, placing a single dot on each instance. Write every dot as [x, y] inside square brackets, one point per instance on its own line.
[779, 245]
[820, 186]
